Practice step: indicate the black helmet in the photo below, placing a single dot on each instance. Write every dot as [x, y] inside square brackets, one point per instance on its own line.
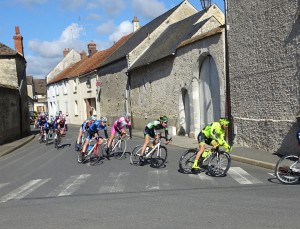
[163, 119]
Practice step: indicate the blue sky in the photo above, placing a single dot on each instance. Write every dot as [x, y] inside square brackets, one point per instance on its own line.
[49, 26]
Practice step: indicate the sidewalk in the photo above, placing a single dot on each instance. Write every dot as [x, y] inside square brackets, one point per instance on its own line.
[243, 154]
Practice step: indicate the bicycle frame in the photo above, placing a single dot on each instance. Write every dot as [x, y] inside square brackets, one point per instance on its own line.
[153, 149]
[116, 143]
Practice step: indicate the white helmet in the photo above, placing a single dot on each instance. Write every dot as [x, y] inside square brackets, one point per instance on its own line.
[103, 119]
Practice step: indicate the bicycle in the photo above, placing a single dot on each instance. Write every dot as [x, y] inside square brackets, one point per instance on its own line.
[118, 147]
[92, 156]
[217, 162]
[57, 139]
[157, 155]
[287, 169]
[49, 135]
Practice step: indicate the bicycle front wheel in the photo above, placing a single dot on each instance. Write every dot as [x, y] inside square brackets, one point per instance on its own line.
[219, 164]
[187, 160]
[120, 149]
[287, 169]
[135, 154]
[159, 157]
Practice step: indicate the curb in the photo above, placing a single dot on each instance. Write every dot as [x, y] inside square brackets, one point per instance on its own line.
[253, 162]
[17, 146]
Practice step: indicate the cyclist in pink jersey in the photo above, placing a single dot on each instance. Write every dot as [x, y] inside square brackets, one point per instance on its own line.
[118, 127]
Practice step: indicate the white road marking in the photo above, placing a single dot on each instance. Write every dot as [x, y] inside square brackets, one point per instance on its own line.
[157, 179]
[242, 177]
[69, 186]
[24, 190]
[118, 179]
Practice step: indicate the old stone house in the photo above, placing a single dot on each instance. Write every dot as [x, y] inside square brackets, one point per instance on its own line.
[76, 90]
[40, 95]
[264, 58]
[174, 66]
[14, 115]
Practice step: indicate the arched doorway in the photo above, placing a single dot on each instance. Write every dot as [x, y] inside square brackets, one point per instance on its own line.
[209, 92]
[184, 113]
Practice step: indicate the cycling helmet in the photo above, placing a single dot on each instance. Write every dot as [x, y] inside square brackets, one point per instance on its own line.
[224, 121]
[103, 119]
[163, 119]
[127, 115]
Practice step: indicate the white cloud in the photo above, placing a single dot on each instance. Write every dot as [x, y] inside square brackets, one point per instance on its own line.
[149, 9]
[111, 7]
[123, 29]
[106, 28]
[70, 38]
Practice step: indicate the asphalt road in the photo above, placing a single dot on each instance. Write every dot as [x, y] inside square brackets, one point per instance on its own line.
[42, 187]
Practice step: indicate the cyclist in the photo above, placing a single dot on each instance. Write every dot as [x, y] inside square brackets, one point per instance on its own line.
[213, 134]
[42, 121]
[150, 131]
[82, 130]
[92, 131]
[118, 126]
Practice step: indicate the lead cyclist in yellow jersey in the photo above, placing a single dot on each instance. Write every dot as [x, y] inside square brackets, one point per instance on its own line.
[213, 134]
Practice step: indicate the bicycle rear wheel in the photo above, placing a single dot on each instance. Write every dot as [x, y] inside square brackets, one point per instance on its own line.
[186, 161]
[135, 154]
[120, 149]
[287, 169]
[159, 157]
[219, 164]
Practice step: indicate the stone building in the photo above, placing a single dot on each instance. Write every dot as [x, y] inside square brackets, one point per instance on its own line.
[264, 70]
[14, 115]
[173, 66]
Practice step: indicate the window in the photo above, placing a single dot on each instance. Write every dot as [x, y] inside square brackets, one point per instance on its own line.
[75, 86]
[65, 87]
[76, 108]
[56, 88]
[88, 84]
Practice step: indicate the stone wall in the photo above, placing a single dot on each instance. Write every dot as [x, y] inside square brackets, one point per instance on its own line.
[156, 88]
[9, 115]
[264, 54]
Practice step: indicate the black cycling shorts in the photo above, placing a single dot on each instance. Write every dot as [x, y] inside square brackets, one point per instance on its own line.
[202, 138]
[150, 132]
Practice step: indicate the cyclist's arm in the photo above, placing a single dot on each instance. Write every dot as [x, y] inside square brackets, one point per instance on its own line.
[105, 133]
[130, 131]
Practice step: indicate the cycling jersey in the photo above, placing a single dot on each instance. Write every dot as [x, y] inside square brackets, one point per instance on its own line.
[212, 131]
[95, 127]
[119, 125]
[151, 128]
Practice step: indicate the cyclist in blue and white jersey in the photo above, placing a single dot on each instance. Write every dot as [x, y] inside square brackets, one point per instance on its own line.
[92, 131]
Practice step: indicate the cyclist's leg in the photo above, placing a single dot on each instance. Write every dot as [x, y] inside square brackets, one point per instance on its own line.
[100, 142]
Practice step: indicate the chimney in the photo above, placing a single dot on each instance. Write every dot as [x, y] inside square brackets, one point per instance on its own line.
[18, 41]
[92, 48]
[135, 23]
[82, 55]
[66, 51]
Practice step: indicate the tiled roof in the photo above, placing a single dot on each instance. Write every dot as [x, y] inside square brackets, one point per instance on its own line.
[170, 39]
[6, 51]
[88, 64]
[137, 37]
[40, 86]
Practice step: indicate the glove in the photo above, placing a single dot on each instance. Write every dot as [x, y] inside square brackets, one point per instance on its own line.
[227, 147]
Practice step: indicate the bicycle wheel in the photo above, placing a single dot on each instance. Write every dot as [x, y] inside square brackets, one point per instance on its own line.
[287, 169]
[187, 160]
[134, 156]
[120, 149]
[159, 157]
[219, 164]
